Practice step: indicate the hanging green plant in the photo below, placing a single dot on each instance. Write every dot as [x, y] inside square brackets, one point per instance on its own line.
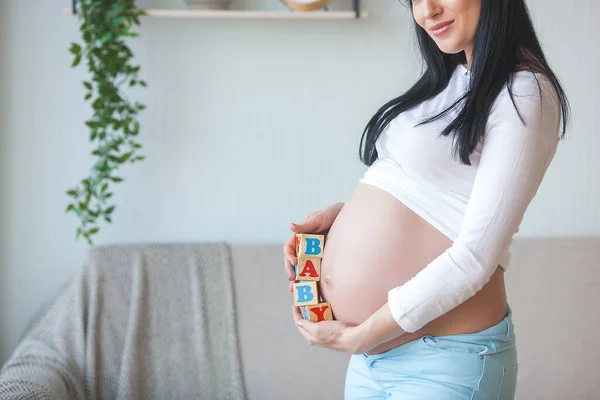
[113, 127]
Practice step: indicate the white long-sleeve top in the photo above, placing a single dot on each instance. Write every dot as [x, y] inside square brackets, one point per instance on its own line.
[479, 207]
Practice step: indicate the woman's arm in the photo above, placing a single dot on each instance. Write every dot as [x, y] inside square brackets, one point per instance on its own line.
[514, 158]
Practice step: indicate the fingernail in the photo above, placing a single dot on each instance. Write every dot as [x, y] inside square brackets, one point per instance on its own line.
[299, 323]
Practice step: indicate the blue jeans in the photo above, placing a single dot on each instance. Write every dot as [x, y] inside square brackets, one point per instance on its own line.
[474, 366]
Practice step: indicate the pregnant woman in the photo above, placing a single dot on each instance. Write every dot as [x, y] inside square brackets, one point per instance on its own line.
[414, 260]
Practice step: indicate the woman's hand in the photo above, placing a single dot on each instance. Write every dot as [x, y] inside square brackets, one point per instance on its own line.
[334, 335]
[318, 223]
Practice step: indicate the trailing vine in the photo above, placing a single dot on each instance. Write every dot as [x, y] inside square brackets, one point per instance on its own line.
[113, 127]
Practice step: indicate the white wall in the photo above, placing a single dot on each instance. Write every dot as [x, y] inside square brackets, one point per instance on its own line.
[237, 111]
[4, 295]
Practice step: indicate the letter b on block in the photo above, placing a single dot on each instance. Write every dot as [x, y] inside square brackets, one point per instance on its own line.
[313, 247]
[305, 294]
[310, 245]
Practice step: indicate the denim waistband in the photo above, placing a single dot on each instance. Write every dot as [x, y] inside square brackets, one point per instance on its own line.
[504, 328]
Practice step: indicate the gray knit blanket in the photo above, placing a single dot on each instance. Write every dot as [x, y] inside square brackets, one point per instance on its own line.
[138, 321]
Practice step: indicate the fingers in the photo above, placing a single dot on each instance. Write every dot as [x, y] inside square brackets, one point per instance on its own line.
[289, 256]
[311, 224]
[296, 313]
[298, 317]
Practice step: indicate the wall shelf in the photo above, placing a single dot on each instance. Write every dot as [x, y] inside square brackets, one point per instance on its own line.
[355, 13]
[248, 14]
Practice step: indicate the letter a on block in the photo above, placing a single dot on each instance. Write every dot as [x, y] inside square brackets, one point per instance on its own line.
[308, 269]
[310, 245]
[305, 294]
[320, 312]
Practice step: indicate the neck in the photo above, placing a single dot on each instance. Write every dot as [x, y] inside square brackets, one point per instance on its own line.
[469, 56]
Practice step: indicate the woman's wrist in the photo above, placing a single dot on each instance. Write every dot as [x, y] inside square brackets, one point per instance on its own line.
[354, 338]
[379, 328]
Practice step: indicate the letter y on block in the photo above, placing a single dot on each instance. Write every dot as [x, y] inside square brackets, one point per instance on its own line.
[319, 312]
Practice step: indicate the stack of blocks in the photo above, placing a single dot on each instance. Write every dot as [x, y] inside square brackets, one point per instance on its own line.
[309, 251]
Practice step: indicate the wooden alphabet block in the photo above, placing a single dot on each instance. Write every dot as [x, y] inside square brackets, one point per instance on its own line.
[308, 269]
[317, 313]
[309, 245]
[305, 293]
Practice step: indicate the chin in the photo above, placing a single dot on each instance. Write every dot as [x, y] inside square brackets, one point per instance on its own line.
[450, 49]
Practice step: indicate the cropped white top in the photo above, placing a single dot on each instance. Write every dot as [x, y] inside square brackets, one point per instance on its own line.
[479, 207]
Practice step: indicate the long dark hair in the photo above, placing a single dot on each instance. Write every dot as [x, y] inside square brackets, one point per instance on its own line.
[505, 43]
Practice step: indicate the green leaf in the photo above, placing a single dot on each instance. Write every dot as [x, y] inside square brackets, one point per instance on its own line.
[75, 49]
[87, 85]
[106, 37]
[98, 103]
[116, 179]
[70, 207]
[76, 61]
[143, 83]
[125, 157]
[94, 230]
[88, 96]
[72, 193]
[109, 210]
[107, 219]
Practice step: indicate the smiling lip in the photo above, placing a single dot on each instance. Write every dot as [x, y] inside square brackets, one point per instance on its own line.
[440, 28]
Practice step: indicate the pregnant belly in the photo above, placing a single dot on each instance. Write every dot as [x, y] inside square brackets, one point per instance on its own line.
[377, 243]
